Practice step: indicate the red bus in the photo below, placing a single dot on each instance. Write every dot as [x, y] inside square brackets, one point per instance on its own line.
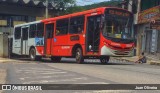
[97, 33]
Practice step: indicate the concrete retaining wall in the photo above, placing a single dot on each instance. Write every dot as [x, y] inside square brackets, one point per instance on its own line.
[3, 45]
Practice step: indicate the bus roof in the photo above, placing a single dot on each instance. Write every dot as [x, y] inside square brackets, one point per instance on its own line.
[76, 14]
[34, 22]
[100, 9]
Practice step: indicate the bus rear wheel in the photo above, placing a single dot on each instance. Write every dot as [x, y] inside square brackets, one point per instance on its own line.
[32, 55]
[79, 56]
[104, 59]
[56, 59]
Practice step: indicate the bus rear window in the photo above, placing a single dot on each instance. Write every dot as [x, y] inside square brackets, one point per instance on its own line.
[40, 30]
[17, 33]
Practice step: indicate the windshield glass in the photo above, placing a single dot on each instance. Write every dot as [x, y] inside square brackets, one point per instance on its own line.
[117, 24]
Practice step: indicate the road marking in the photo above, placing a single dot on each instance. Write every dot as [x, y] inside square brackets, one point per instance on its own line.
[41, 75]
[94, 83]
[57, 80]
[54, 73]
[47, 77]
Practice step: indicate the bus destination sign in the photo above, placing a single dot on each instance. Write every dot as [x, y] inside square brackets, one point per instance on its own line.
[118, 12]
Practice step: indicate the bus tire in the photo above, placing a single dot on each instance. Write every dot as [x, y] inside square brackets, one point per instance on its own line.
[79, 56]
[32, 55]
[56, 59]
[104, 59]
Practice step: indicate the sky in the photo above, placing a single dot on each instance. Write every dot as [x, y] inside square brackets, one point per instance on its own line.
[87, 2]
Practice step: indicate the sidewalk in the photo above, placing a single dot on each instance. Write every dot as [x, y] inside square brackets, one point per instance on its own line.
[150, 59]
[3, 76]
[3, 72]
[153, 60]
[129, 59]
[3, 60]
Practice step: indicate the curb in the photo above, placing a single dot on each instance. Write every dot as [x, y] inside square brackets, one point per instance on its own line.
[154, 63]
[4, 60]
[149, 62]
[123, 59]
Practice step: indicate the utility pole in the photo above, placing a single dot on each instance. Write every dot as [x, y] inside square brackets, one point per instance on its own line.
[139, 37]
[130, 4]
[46, 8]
[9, 39]
[123, 4]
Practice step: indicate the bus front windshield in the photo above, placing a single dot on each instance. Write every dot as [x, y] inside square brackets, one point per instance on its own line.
[117, 24]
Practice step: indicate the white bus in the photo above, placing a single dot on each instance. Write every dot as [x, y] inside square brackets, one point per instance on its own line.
[27, 38]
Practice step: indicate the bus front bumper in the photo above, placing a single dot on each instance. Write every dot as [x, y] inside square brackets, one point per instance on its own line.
[105, 51]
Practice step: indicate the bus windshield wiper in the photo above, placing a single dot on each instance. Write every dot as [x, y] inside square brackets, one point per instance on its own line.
[127, 22]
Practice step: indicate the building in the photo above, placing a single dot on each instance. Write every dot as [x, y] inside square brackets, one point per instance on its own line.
[146, 25]
[13, 12]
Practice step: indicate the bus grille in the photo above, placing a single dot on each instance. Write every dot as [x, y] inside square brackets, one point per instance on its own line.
[121, 52]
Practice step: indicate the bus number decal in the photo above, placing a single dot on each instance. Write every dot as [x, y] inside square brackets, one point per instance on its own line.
[74, 38]
[65, 47]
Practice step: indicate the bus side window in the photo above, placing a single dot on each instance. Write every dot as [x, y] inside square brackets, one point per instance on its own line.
[76, 25]
[17, 33]
[32, 31]
[62, 27]
[40, 30]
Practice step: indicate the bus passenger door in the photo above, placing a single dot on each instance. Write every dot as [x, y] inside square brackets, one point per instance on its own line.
[49, 30]
[93, 33]
[24, 41]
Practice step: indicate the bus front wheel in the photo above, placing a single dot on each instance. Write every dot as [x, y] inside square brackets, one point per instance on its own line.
[104, 59]
[79, 56]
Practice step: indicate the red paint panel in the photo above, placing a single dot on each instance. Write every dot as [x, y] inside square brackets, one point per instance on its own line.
[48, 46]
[61, 50]
[61, 40]
[40, 49]
[61, 46]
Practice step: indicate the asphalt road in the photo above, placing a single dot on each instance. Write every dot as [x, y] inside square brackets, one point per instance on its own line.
[67, 71]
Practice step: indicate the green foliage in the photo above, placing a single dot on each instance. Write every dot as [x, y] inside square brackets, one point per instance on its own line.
[57, 2]
[72, 10]
[76, 8]
[103, 4]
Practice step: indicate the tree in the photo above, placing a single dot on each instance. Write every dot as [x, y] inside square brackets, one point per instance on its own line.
[76, 8]
[60, 3]
[73, 9]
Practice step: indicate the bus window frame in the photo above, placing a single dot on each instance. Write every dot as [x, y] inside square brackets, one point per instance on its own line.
[30, 30]
[61, 27]
[81, 25]
[41, 30]
[18, 34]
